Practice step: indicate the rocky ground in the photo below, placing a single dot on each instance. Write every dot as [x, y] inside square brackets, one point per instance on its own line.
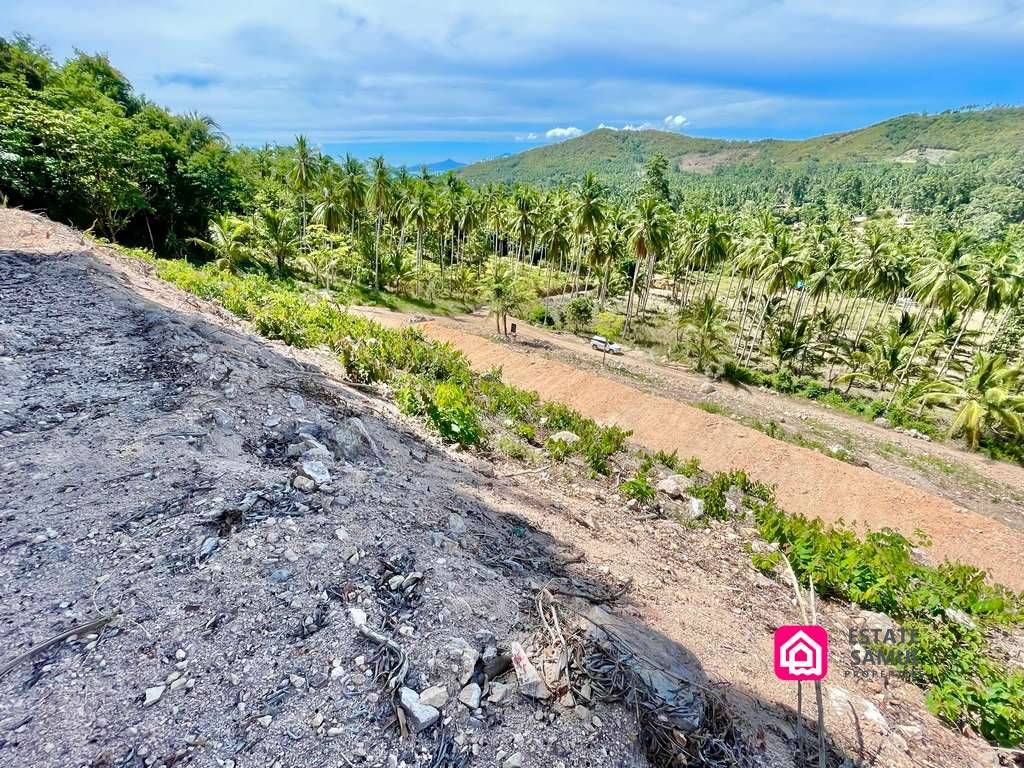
[214, 552]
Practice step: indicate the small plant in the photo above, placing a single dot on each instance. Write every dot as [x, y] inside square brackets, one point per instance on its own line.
[559, 450]
[454, 416]
[512, 448]
[639, 487]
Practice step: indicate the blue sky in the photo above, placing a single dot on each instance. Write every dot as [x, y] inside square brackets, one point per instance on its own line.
[421, 82]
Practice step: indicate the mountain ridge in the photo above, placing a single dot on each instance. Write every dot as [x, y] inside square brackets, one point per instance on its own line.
[617, 156]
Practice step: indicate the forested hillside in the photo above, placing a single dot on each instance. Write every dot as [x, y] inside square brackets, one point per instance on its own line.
[964, 164]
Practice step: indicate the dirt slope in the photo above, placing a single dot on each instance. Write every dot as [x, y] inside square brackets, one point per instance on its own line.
[808, 482]
[149, 498]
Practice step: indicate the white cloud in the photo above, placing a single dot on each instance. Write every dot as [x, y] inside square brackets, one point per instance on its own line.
[531, 136]
[570, 132]
[640, 127]
[609, 127]
[675, 122]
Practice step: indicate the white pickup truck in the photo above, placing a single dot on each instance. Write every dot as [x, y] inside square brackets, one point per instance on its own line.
[601, 344]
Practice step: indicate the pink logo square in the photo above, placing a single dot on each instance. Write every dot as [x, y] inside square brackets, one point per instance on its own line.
[801, 652]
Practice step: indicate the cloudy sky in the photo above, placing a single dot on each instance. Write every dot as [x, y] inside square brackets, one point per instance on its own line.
[423, 81]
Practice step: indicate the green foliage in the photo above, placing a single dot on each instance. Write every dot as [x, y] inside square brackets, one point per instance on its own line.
[579, 313]
[76, 140]
[609, 325]
[966, 686]
[454, 415]
[638, 487]
[541, 314]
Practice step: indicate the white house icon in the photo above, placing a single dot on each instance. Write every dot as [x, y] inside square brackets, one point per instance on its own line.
[800, 655]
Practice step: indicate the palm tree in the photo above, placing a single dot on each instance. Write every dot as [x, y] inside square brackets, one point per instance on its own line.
[378, 200]
[647, 234]
[589, 217]
[704, 334]
[278, 234]
[776, 259]
[226, 240]
[353, 189]
[945, 275]
[506, 296]
[301, 175]
[418, 207]
[988, 400]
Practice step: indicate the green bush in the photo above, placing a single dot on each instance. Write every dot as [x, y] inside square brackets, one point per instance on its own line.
[454, 416]
[639, 487]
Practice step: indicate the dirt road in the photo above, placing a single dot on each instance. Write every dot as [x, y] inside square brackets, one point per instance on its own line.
[808, 482]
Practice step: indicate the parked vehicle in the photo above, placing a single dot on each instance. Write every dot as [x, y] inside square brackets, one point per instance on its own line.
[601, 344]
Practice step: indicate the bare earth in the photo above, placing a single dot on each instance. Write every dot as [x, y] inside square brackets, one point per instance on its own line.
[808, 482]
[145, 489]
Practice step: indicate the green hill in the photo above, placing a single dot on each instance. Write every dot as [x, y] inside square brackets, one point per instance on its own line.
[618, 156]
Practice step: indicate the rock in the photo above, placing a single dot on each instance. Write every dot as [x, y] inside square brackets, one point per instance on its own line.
[265, 721]
[153, 695]
[514, 760]
[675, 486]
[222, 418]
[180, 654]
[470, 696]
[280, 576]
[436, 696]
[340, 534]
[316, 549]
[530, 682]
[350, 439]
[290, 555]
[959, 617]
[418, 715]
[199, 357]
[499, 693]
[210, 543]
[569, 438]
[456, 524]
[297, 403]
[881, 421]
[696, 510]
[707, 388]
[315, 470]
[469, 658]
[304, 484]
[837, 449]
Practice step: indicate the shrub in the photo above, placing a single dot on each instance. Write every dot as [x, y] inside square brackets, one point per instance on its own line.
[454, 416]
[639, 487]
[540, 314]
[579, 312]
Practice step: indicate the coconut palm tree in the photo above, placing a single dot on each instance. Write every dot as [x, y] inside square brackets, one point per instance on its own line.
[944, 277]
[647, 233]
[353, 189]
[588, 217]
[378, 200]
[226, 239]
[301, 175]
[418, 210]
[988, 400]
[703, 331]
[277, 232]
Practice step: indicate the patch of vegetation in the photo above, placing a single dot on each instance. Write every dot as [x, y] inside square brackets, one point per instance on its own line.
[966, 685]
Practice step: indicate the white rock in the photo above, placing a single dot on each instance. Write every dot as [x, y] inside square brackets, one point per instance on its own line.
[153, 695]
